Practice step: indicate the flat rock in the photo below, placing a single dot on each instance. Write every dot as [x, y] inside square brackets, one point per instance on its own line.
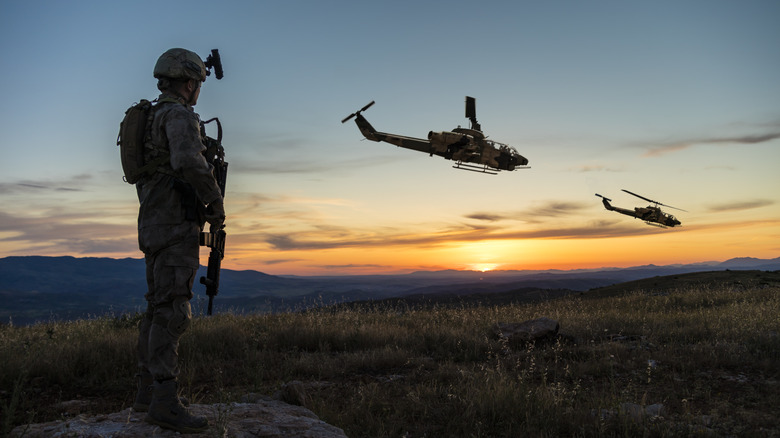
[532, 330]
[264, 418]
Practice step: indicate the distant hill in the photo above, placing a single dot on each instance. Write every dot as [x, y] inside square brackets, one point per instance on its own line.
[736, 279]
[36, 288]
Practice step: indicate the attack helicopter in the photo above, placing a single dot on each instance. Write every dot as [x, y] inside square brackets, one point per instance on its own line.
[468, 147]
[652, 214]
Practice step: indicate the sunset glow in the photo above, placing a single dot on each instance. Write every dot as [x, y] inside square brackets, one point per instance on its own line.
[599, 98]
[484, 267]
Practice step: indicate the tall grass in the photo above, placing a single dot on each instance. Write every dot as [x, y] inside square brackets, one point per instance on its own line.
[710, 355]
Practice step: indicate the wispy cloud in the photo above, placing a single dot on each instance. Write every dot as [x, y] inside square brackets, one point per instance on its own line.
[279, 261]
[318, 241]
[595, 168]
[557, 209]
[740, 205]
[352, 266]
[74, 184]
[301, 165]
[668, 147]
[487, 217]
[552, 209]
[60, 232]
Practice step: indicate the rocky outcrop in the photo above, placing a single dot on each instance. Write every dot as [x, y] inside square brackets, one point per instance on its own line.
[534, 330]
[262, 418]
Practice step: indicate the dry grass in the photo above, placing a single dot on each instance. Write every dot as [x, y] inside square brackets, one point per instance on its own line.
[710, 355]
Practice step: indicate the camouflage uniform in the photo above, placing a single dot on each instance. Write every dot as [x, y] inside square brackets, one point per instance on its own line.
[170, 218]
[175, 202]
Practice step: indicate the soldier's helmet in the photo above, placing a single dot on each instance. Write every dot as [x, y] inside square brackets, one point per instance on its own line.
[180, 64]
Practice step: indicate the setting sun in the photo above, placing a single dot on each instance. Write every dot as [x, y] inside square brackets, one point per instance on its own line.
[484, 267]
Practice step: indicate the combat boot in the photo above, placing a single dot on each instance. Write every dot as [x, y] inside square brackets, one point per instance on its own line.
[144, 395]
[166, 410]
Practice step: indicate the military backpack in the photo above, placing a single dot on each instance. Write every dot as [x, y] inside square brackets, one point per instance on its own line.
[134, 133]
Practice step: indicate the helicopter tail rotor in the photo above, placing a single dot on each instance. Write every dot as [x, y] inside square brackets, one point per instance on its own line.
[356, 113]
[604, 197]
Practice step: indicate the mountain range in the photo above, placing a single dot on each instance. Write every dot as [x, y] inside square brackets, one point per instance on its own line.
[37, 288]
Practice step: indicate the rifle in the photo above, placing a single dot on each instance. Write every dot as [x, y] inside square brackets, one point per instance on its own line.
[215, 237]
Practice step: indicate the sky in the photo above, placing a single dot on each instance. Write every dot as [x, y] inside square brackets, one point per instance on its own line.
[678, 101]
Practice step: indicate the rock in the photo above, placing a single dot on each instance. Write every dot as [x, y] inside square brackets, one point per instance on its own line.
[529, 331]
[293, 393]
[639, 413]
[265, 418]
[72, 407]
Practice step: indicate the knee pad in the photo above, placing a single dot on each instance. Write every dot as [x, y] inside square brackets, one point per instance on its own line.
[181, 317]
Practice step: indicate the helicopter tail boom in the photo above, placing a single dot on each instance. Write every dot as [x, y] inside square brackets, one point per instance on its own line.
[605, 201]
[366, 129]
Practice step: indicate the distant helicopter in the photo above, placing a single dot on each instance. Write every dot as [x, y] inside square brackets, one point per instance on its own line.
[652, 214]
[468, 147]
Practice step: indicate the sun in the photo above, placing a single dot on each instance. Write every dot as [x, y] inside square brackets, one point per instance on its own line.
[484, 267]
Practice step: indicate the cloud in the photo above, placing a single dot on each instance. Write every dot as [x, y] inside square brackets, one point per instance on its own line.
[740, 205]
[721, 167]
[546, 210]
[352, 266]
[664, 148]
[557, 208]
[594, 168]
[302, 165]
[279, 261]
[31, 187]
[488, 217]
[67, 233]
[319, 241]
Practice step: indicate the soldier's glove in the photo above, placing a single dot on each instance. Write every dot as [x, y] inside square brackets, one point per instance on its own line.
[215, 212]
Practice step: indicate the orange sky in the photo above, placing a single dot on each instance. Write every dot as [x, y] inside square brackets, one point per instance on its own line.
[640, 244]
[679, 107]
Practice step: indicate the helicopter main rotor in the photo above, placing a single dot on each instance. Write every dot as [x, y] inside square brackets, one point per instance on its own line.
[471, 113]
[650, 200]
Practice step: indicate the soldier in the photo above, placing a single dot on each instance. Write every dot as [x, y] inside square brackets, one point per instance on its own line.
[175, 202]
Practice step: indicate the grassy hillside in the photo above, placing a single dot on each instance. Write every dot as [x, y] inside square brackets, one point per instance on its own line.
[707, 351]
[745, 279]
